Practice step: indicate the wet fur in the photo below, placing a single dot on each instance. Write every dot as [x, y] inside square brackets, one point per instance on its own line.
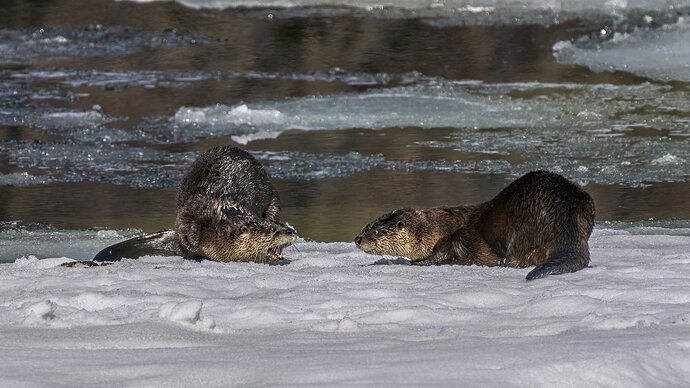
[540, 219]
[227, 210]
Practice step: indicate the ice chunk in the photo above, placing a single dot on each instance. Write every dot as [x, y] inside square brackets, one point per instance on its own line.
[299, 165]
[454, 12]
[28, 45]
[662, 53]
[71, 161]
[33, 242]
[425, 106]
[22, 178]
[668, 159]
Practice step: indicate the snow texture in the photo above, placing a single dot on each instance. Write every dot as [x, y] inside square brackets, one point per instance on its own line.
[330, 317]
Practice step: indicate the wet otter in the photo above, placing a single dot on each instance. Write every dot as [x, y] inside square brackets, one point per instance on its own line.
[227, 210]
[540, 219]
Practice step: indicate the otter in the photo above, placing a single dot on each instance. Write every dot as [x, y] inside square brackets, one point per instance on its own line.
[541, 219]
[227, 210]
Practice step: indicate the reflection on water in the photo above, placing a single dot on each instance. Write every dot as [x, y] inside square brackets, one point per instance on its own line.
[332, 209]
[149, 60]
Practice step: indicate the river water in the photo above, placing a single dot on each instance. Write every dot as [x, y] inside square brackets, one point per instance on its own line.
[353, 111]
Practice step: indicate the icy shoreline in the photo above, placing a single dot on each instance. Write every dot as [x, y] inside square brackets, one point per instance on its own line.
[331, 318]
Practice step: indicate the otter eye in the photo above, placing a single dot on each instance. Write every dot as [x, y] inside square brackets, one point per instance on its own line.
[376, 232]
[400, 224]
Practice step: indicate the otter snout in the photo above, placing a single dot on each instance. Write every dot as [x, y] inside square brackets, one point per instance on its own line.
[358, 240]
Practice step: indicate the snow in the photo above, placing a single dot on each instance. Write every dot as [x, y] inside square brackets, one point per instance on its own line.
[662, 53]
[329, 317]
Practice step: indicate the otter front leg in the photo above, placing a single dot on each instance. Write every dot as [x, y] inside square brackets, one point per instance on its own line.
[444, 252]
[273, 211]
[464, 247]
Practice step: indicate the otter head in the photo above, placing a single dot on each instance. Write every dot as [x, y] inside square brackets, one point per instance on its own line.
[398, 233]
[236, 235]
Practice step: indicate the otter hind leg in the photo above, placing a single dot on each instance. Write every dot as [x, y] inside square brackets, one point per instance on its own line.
[562, 261]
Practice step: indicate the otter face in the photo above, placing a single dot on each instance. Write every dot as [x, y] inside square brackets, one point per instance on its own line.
[242, 237]
[392, 234]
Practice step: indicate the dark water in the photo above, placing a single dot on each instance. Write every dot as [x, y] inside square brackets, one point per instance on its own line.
[328, 209]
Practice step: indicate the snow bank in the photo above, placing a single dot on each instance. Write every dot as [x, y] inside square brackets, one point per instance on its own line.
[330, 317]
[662, 53]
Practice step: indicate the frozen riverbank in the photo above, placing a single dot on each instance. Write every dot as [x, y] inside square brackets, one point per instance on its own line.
[329, 317]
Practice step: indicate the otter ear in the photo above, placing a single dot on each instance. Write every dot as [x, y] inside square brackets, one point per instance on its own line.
[400, 225]
[232, 212]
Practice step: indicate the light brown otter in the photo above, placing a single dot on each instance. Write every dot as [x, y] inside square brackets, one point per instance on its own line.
[539, 219]
[227, 210]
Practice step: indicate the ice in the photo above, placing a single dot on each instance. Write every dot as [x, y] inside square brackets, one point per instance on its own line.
[22, 179]
[455, 11]
[612, 134]
[141, 167]
[71, 161]
[470, 5]
[35, 242]
[331, 318]
[581, 156]
[163, 78]
[28, 45]
[300, 165]
[425, 106]
[662, 53]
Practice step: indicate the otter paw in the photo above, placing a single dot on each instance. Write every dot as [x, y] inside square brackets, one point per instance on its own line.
[82, 264]
[396, 261]
[279, 262]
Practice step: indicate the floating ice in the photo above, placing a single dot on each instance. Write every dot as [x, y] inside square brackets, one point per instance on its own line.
[425, 106]
[447, 104]
[455, 12]
[624, 320]
[20, 46]
[578, 155]
[40, 241]
[22, 179]
[168, 78]
[299, 165]
[662, 53]
[71, 161]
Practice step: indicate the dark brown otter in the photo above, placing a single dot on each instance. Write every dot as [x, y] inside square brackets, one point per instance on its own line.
[227, 210]
[540, 219]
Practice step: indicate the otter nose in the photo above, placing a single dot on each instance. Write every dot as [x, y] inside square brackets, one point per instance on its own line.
[358, 240]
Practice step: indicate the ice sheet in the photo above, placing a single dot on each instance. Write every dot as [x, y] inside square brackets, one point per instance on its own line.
[331, 318]
[662, 53]
[28, 45]
[71, 161]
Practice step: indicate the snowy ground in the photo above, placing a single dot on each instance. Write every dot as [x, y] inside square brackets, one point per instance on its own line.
[331, 318]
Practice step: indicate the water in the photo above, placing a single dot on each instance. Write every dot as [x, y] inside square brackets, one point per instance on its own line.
[353, 111]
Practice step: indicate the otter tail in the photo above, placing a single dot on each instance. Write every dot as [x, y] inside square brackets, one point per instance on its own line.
[163, 243]
[564, 260]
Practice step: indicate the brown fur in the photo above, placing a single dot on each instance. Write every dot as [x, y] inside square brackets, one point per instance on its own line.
[540, 219]
[227, 210]
[408, 232]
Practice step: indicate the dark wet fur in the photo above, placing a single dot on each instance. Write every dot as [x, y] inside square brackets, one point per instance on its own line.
[540, 219]
[225, 193]
[159, 244]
